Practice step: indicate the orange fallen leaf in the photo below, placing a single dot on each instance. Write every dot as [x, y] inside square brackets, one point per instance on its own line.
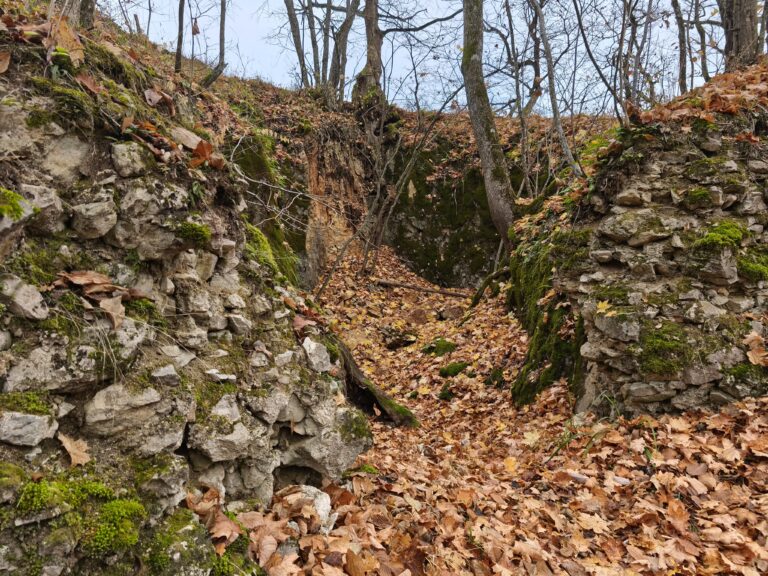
[77, 450]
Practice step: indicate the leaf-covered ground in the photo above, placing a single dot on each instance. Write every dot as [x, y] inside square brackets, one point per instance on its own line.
[483, 487]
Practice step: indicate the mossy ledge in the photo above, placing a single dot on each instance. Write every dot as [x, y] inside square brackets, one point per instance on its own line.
[551, 355]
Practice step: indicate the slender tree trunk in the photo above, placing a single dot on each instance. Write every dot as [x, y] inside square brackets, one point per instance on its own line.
[702, 41]
[682, 66]
[180, 37]
[293, 23]
[326, 41]
[739, 19]
[498, 188]
[339, 59]
[368, 86]
[308, 11]
[222, 34]
[556, 121]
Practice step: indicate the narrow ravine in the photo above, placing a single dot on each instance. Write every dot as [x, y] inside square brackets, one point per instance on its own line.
[484, 487]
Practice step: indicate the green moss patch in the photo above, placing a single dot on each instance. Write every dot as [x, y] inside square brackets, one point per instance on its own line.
[114, 529]
[446, 394]
[11, 205]
[453, 369]
[198, 235]
[26, 402]
[697, 198]
[355, 426]
[723, 234]
[664, 350]
[439, 347]
[753, 266]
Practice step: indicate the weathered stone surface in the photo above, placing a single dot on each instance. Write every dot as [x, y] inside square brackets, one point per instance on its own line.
[95, 219]
[129, 159]
[21, 298]
[624, 327]
[22, 429]
[317, 355]
[166, 375]
[64, 158]
[220, 447]
[49, 217]
[117, 409]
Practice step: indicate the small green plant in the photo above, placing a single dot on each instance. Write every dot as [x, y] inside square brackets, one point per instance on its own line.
[453, 369]
[27, 402]
[724, 234]
[11, 205]
[116, 528]
[445, 393]
[439, 347]
[199, 235]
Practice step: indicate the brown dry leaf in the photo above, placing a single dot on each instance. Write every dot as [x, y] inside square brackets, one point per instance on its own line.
[83, 277]
[77, 450]
[114, 309]
[678, 516]
[152, 97]
[267, 547]
[65, 37]
[89, 82]
[201, 154]
[5, 61]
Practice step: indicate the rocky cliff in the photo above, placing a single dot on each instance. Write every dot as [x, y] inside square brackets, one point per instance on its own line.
[650, 290]
[149, 331]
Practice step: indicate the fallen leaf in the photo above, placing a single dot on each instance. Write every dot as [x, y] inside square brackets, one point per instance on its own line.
[77, 450]
[5, 61]
[89, 82]
[114, 309]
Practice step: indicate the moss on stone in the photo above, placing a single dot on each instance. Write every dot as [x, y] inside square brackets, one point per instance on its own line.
[72, 103]
[45, 494]
[615, 294]
[115, 528]
[446, 394]
[26, 402]
[362, 469]
[12, 477]
[753, 265]
[146, 311]
[354, 426]
[721, 235]
[551, 353]
[119, 69]
[439, 347]
[38, 261]
[453, 369]
[198, 235]
[664, 350]
[698, 197]
[11, 204]
[39, 117]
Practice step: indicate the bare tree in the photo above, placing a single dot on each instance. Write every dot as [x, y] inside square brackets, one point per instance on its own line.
[498, 186]
[682, 42]
[180, 38]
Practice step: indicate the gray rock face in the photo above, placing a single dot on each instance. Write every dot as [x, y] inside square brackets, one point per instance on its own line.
[95, 219]
[22, 429]
[129, 159]
[166, 375]
[317, 355]
[116, 409]
[64, 158]
[50, 211]
[21, 298]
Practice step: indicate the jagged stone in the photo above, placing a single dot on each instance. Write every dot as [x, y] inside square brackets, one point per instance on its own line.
[166, 375]
[6, 340]
[223, 447]
[623, 327]
[94, 219]
[20, 429]
[317, 355]
[129, 159]
[49, 216]
[63, 159]
[116, 409]
[239, 324]
[21, 298]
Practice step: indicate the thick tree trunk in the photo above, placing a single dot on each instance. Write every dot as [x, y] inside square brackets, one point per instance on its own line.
[87, 13]
[179, 38]
[498, 187]
[293, 22]
[368, 87]
[739, 19]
